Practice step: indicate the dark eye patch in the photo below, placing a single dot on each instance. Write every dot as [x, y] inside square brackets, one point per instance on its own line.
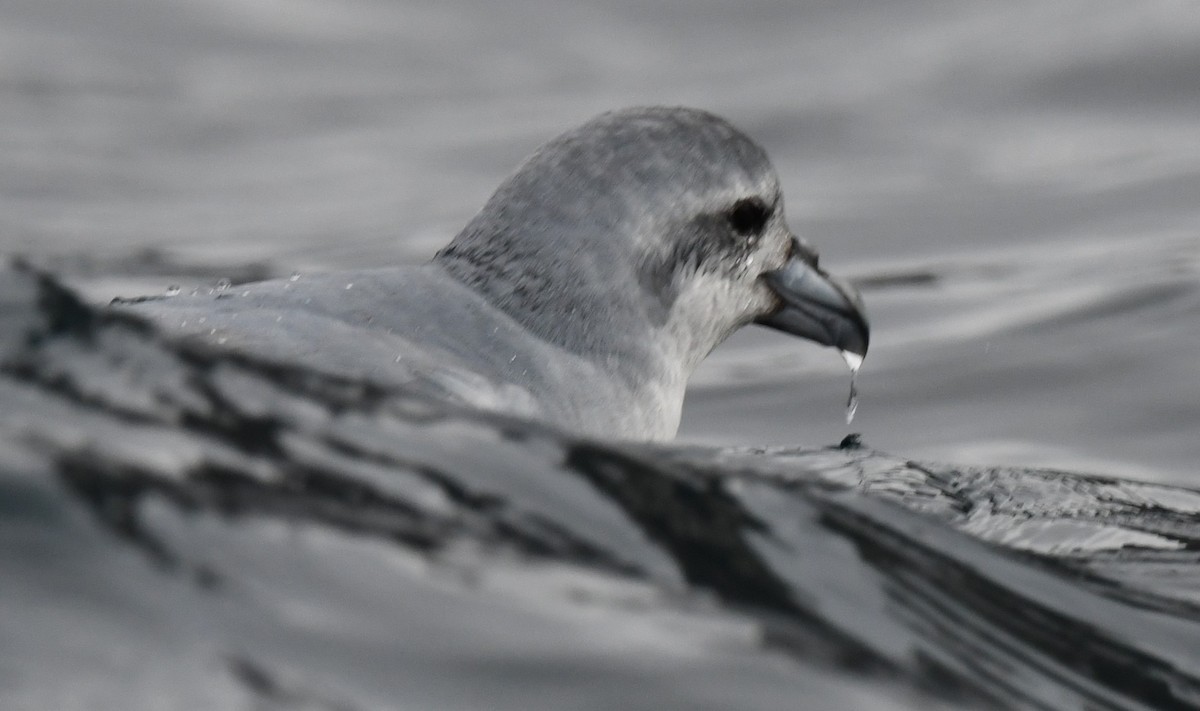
[748, 217]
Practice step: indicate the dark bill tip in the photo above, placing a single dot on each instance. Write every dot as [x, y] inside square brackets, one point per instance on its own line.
[817, 306]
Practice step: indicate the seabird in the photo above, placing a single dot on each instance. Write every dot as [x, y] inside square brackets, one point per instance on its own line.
[584, 293]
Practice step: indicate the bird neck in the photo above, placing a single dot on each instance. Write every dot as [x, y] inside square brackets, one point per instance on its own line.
[589, 308]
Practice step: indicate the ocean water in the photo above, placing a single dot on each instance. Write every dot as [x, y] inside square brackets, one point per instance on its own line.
[1013, 187]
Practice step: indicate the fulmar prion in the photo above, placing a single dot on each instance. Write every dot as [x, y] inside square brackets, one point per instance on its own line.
[583, 294]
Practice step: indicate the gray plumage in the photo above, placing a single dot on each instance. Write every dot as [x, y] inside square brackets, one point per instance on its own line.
[584, 293]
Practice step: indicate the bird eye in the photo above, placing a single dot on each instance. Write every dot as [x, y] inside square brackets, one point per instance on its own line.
[748, 217]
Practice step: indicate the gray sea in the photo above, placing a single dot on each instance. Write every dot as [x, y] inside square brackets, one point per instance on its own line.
[1015, 187]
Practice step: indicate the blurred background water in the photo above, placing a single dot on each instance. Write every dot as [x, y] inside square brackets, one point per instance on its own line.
[1014, 185]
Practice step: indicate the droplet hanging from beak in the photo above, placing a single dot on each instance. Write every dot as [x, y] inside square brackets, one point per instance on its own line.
[854, 362]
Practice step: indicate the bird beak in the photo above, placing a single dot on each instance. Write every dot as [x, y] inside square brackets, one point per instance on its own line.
[816, 305]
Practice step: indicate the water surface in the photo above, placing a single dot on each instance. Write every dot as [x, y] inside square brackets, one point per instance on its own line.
[1012, 186]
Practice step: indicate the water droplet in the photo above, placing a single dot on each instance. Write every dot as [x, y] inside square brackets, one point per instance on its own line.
[221, 340]
[294, 277]
[851, 402]
[173, 290]
[223, 285]
[202, 319]
[398, 358]
[246, 292]
[854, 362]
[350, 286]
